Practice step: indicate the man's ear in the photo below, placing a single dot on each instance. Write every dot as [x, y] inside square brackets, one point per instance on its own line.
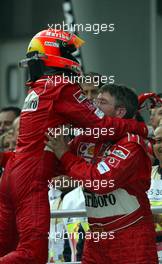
[121, 112]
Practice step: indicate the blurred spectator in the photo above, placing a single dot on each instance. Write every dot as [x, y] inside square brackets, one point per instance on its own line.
[156, 115]
[155, 192]
[7, 116]
[8, 138]
[8, 141]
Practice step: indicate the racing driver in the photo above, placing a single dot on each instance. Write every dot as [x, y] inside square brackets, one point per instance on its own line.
[24, 207]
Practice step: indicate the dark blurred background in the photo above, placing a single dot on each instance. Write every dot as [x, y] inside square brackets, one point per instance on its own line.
[132, 53]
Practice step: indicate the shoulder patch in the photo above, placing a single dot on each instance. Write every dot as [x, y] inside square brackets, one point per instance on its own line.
[112, 161]
[31, 102]
[99, 113]
[102, 167]
[121, 152]
[79, 96]
[86, 150]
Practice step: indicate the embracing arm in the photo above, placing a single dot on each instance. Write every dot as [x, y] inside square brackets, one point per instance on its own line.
[112, 172]
[73, 105]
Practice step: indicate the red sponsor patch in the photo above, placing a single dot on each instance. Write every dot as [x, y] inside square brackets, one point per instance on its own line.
[121, 152]
[86, 150]
[113, 162]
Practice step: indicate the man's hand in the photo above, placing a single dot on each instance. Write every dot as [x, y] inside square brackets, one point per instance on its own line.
[57, 144]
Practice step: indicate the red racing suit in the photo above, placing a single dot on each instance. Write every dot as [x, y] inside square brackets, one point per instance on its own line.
[24, 207]
[116, 178]
[4, 157]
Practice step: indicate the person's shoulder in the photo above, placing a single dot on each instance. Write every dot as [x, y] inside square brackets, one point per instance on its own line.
[131, 146]
[133, 141]
[132, 138]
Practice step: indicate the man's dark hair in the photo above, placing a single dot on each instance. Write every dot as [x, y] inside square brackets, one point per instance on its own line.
[124, 97]
[14, 109]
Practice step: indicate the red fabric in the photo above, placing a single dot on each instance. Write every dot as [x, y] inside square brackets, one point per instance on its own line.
[4, 157]
[133, 246]
[134, 234]
[126, 167]
[23, 188]
[126, 173]
[58, 105]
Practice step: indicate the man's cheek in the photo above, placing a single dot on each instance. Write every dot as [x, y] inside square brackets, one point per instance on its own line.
[155, 147]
